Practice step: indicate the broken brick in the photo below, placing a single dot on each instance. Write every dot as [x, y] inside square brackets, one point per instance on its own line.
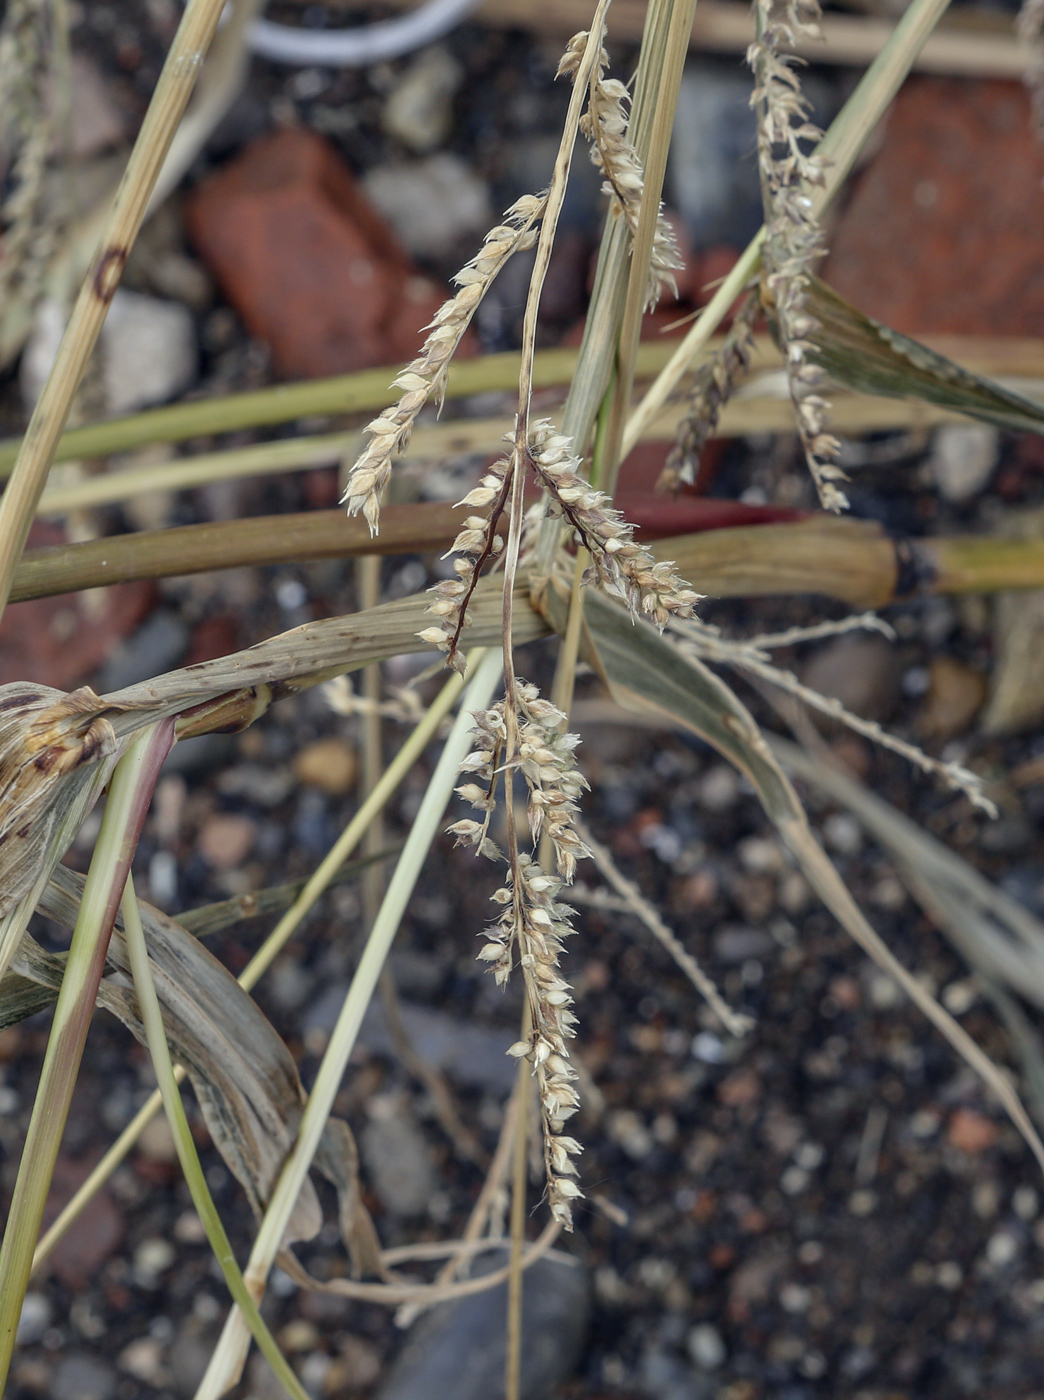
[304, 258]
[944, 229]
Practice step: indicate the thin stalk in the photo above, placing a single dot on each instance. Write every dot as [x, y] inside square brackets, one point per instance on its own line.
[841, 145]
[655, 167]
[129, 792]
[175, 85]
[513, 1353]
[195, 1180]
[226, 1363]
[596, 364]
[273, 944]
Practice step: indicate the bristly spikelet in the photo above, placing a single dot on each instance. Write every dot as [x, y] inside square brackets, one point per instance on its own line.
[425, 376]
[793, 238]
[650, 588]
[712, 388]
[605, 126]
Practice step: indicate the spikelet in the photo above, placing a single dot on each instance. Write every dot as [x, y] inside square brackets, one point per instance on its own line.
[793, 238]
[712, 388]
[605, 126]
[425, 376]
[627, 570]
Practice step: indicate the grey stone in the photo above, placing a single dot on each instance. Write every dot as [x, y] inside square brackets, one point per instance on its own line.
[436, 206]
[419, 109]
[157, 646]
[963, 459]
[712, 178]
[149, 351]
[472, 1054]
[34, 1320]
[82, 1376]
[457, 1351]
[397, 1159]
[863, 672]
[706, 1347]
[734, 945]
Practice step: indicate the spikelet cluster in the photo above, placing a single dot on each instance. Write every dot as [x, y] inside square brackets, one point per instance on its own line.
[793, 234]
[532, 925]
[425, 377]
[476, 543]
[712, 388]
[624, 568]
[605, 126]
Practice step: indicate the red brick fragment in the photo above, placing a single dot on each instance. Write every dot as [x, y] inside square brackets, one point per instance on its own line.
[301, 254]
[61, 640]
[944, 230]
[970, 1132]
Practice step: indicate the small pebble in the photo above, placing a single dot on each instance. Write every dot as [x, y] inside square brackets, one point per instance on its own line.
[960, 997]
[157, 1141]
[706, 1347]
[143, 1359]
[329, 764]
[1025, 1202]
[795, 1297]
[949, 1275]
[706, 1046]
[226, 839]
[34, 1320]
[152, 1258]
[843, 833]
[719, 790]
[299, 1335]
[1002, 1248]
[971, 1132]
[862, 1203]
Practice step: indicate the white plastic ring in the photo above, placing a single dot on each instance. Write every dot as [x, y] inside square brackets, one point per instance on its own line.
[355, 48]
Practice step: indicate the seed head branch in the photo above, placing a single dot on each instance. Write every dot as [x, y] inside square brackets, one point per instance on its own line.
[622, 567]
[793, 237]
[425, 376]
[605, 125]
[712, 388]
[532, 924]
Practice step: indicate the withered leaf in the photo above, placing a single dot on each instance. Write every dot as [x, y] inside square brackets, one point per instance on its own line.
[860, 353]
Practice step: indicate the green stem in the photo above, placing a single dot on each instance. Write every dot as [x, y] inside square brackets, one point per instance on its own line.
[227, 1357]
[156, 1037]
[129, 793]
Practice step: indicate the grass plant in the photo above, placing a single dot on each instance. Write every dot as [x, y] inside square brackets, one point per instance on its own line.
[627, 610]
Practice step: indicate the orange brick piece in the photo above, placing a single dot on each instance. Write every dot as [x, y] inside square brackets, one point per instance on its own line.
[944, 230]
[306, 261]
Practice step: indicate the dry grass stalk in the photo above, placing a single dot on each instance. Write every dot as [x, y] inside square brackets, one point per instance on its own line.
[176, 82]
